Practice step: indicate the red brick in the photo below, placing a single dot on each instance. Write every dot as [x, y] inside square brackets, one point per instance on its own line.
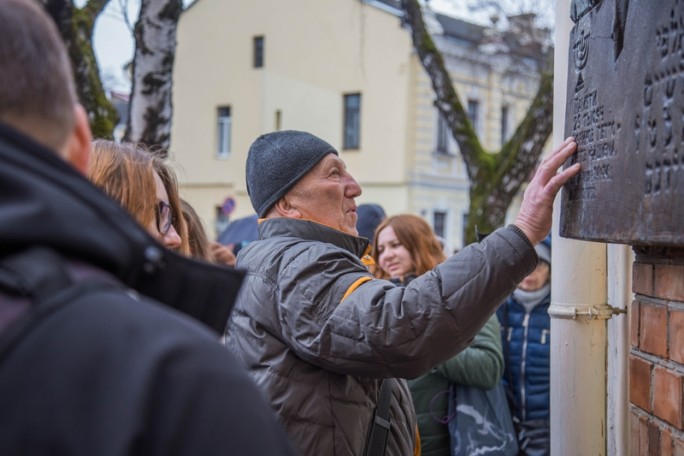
[665, 442]
[667, 396]
[653, 329]
[643, 435]
[634, 434]
[676, 335]
[653, 439]
[635, 315]
[669, 281]
[642, 278]
[640, 383]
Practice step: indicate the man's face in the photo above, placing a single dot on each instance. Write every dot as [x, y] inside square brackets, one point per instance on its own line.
[537, 278]
[326, 195]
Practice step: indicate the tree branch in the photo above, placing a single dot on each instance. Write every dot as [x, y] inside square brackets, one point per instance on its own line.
[92, 10]
[447, 102]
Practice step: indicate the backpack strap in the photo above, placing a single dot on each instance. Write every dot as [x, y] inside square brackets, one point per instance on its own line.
[39, 276]
[377, 437]
[36, 273]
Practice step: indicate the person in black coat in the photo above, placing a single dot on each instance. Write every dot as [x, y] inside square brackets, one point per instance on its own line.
[99, 354]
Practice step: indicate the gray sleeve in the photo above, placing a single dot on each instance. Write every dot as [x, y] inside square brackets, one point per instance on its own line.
[381, 330]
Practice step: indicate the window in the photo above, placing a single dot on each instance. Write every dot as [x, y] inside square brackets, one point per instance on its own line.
[439, 223]
[504, 124]
[224, 130]
[352, 121]
[442, 135]
[474, 114]
[258, 51]
[278, 119]
[464, 222]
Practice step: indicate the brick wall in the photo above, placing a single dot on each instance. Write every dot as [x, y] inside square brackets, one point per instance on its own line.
[656, 361]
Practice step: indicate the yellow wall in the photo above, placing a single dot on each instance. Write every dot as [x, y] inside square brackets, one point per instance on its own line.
[315, 52]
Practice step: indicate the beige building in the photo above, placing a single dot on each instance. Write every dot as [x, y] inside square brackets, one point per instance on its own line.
[346, 71]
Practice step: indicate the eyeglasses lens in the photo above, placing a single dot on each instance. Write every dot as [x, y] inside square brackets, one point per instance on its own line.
[164, 217]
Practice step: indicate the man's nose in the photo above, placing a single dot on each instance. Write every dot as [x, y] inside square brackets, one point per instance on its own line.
[353, 189]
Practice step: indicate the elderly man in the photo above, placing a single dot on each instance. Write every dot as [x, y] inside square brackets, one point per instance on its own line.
[88, 364]
[319, 333]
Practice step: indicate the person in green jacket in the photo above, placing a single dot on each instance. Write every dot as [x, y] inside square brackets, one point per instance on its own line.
[405, 247]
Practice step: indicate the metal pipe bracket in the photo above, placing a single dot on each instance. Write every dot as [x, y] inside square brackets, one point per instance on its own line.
[571, 312]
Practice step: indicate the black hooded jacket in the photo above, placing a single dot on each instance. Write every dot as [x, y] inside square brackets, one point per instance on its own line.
[44, 201]
[116, 367]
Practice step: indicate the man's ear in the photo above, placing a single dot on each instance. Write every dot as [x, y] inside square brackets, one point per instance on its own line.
[78, 146]
[284, 208]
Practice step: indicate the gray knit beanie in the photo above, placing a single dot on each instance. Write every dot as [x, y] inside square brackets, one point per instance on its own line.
[276, 162]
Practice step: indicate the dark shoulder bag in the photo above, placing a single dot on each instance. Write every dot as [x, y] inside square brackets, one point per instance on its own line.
[481, 422]
[380, 427]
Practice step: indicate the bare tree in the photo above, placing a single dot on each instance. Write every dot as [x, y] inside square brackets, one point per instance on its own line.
[495, 176]
[76, 26]
[151, 110]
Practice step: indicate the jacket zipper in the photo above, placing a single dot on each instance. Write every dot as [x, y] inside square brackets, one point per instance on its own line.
[523, 405]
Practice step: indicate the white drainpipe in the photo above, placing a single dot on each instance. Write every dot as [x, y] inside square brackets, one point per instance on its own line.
[578, 348]
[620, 260]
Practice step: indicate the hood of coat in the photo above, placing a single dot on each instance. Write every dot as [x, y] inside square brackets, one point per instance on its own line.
[44, 201]
[312, 231]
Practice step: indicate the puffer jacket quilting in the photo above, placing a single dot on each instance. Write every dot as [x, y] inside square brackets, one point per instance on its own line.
[320, 358]
[527, 352]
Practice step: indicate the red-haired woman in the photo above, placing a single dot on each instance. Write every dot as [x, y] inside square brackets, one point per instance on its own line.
[405, 247]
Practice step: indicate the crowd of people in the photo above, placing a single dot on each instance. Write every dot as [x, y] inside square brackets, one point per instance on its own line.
[124, 330]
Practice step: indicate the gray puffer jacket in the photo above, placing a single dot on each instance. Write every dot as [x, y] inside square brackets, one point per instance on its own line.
[318, 332]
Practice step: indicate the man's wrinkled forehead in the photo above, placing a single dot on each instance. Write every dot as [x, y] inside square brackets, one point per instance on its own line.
[331, 160]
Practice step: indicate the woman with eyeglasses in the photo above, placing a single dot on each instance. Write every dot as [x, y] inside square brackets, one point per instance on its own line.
[144, 185]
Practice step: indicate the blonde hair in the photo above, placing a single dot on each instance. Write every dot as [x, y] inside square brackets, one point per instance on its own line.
[197, 236]
[125, 172]
[168, 177]
[417, 237]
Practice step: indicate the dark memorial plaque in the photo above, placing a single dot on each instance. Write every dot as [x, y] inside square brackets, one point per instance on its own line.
[625, 107]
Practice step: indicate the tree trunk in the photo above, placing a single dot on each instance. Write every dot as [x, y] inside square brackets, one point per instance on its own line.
[495, 177]
[76, 28]
[151, 109]
[493, 190]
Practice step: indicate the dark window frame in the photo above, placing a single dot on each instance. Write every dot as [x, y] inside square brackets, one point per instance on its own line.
[351, 128]
[224, 130]
[258, 51]
[442, 146]
[474, 113]
[439, 223]
[505, 114]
